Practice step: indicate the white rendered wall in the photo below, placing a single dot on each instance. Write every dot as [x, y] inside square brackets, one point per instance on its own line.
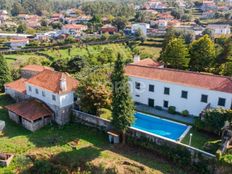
[61, 100]
[193, 103]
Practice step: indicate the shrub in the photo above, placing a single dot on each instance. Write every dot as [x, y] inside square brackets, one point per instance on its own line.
[185, 113]
[172, 110]
[158, 108]
[214, 120]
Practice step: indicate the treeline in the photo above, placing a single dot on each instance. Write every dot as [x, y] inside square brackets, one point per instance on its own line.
[204, 54]
[40, 7]
[100, 8]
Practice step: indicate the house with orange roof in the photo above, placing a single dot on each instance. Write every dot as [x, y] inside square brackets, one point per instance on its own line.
[18, 43]
[51, 96]
[74, 29]
[156, 86]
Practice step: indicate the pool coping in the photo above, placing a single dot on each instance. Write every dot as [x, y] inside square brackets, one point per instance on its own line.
[178, 140]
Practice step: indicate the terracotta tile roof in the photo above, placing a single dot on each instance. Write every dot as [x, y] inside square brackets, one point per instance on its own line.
[35, 68]
[75, 27]
[30, 109]
[148, 62]
[50, 80]
[18, 85]
[19, 40]
[186, 78]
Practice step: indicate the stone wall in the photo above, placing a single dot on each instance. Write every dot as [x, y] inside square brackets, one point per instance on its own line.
[14, 117]
[28, 74]
[34, 126]
[17, 96]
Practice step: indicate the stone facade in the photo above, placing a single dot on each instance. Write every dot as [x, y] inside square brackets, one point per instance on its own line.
[28, 74]
[17, 96]
[61, 115]
[30, 125]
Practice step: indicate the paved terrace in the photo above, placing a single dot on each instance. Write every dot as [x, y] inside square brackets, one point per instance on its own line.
[164, 114]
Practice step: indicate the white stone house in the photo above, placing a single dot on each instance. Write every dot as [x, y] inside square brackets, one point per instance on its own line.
[185, 90]
[140, 27]
[74, 29]
[18, 43]
[219, 29]
[52, 91]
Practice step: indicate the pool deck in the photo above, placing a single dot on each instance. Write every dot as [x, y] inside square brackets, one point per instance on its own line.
[164, 114]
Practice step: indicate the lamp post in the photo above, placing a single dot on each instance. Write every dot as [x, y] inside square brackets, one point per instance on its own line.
[190, 139]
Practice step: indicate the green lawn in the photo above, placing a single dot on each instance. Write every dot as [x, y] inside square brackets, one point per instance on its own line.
[47, 151]
[86, 50]
[199, 139]
[20, 58]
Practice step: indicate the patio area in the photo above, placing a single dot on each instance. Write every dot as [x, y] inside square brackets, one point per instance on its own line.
[164, 114]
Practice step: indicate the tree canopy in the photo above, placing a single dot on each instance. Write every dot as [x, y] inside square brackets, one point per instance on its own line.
[5, 75]
[175, 54]
[202, 53]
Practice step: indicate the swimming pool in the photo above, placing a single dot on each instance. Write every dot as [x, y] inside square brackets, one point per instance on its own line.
[161, 127]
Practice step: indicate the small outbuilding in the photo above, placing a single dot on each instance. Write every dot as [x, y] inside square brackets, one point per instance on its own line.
[31, 114]
[2, 125]
[114, 137]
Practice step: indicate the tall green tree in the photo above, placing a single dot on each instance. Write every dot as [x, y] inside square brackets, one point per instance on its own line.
[202, 54]
[5, 75]
[122, 104]
[176, 54]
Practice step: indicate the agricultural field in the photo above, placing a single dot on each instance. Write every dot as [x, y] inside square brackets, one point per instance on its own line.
[48, 151]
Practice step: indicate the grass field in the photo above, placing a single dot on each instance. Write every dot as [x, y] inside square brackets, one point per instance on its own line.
[47, 151]
[149, 49]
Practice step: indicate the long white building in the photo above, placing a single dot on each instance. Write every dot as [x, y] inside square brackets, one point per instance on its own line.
[157, 86]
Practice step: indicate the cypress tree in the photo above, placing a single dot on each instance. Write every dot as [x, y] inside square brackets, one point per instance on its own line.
[5, 75]
[122, 104]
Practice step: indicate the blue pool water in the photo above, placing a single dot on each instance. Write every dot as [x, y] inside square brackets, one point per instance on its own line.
[158, 126]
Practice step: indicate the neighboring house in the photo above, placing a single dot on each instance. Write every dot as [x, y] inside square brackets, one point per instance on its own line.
[208, 5]
[184, 90]
[70, 20]
[18, 43]
[159, 23]
[83, 19]
[142, 27]
[208, 14]
[108, 28]
[50, 93]
[57, 17]
[3, 16]
[165, 16]
[219, 29]
[74, 29]
[71, 12]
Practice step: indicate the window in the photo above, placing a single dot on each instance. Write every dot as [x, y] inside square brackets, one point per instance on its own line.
[184, 94]
[137, 95]
[36, 91]
[151, 102]
[166, 104]
[53, 97]
[43, 94]
[151, 88]
[29, 88]
[166, 91]
[204, 98]
[221, 102]
[137, 85]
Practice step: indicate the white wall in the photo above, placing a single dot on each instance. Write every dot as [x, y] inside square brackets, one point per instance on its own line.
[193, 103]
[61, 100]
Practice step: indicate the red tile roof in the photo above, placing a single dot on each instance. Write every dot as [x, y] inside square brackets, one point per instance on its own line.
[30, 110]
[18, 85]
[75, 27]
[50, 80]
[35, 68]
[186, 78]
[148, 62]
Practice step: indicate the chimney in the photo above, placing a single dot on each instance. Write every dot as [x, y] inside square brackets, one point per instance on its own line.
[63, 83]
[136, 58]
